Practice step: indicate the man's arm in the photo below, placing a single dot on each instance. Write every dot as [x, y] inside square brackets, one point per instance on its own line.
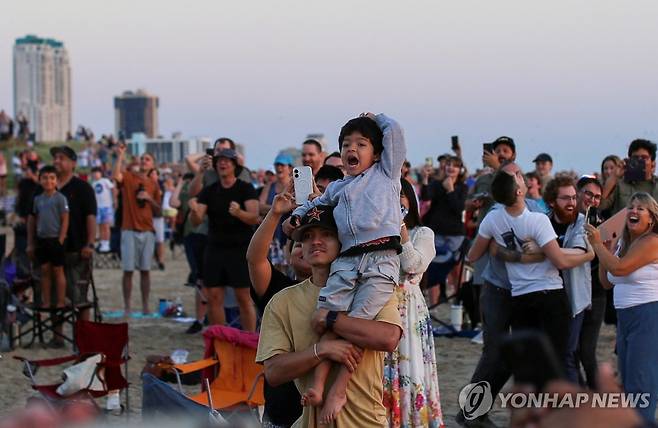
[478, 249]
[117, 170]
[395, 149]
[197, 211]
[192, 161]
[510, 256]
[368, 334]
[64, 228]
[249, 215]
[563, 261]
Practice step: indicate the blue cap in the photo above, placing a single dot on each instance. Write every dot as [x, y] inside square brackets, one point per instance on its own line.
[284, 159]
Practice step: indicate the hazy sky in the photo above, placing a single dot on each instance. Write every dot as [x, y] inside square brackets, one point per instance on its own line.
[578, 79]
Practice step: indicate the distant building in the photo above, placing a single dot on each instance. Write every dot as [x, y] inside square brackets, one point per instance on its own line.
[136, 112]
[42, 87]
[167, 150]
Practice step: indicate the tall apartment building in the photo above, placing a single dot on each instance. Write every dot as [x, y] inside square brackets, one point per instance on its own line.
[42, 87]
[136, 112]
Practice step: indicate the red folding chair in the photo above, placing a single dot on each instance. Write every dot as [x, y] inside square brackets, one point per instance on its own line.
[111, 340]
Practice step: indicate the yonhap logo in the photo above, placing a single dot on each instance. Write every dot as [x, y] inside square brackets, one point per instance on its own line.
[475, 399]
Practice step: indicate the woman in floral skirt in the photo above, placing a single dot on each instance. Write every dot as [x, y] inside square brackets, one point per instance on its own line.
[411, 385]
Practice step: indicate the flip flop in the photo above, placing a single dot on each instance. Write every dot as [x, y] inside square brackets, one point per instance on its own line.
[113, 314]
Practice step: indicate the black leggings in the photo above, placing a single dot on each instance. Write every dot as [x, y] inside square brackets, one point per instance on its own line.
[589, 337]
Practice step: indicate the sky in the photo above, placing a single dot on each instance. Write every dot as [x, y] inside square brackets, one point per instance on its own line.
[576, 79]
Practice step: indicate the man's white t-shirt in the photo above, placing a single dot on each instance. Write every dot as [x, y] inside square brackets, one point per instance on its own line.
[510, 232]
[103, 189]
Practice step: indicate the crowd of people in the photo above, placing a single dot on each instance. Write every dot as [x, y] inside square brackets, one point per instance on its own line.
[340, 285]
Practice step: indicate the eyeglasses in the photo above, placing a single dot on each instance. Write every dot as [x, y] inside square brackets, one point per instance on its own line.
[567, 198]
[592, 195]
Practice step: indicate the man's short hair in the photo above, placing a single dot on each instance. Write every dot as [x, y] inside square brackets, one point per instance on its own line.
[97, 169]
[313, 142]
[588, 179]
[220, 140]
[48, 169]
[553, 187]
[642, 144]
[332, 155]
[532, 174]
[366, 127]
[328, 172]
[503, 188]
[509, 142]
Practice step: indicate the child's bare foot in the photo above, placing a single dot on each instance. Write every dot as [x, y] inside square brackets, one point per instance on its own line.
[312, 398]
[332, 407]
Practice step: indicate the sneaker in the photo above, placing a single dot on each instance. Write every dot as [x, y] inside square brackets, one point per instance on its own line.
[478, 339]
[194, 328]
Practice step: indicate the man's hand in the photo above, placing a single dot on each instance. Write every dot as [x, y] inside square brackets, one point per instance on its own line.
[283, 203]
[206, 162]
[490, 159]
[341, 351]
[87, 253]
[234, 209]
[288, 227]
[120, 149]
[318, 322]
[531, 247]
[144, 196]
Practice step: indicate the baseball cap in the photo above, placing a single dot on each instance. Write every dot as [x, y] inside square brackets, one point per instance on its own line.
[284, 159]
[65, 150]
[504, 140]
[543, 157]
[320, 216]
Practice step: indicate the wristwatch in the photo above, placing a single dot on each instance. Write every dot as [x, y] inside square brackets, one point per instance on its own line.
[330, 319]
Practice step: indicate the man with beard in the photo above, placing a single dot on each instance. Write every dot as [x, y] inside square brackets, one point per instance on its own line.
[560, 195]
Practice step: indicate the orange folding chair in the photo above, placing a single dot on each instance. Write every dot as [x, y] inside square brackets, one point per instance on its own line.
[239, 383]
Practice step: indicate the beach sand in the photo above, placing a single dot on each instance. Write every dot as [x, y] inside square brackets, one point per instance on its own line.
[456, 357]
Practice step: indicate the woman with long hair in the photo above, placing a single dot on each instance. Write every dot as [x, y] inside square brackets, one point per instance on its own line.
[633, 271]
[445, 218]
[612, 170]
[411, 385]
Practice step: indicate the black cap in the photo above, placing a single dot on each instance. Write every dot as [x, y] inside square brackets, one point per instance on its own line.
[65, 150]
[320, 216]
[504, 140]
[543, 157]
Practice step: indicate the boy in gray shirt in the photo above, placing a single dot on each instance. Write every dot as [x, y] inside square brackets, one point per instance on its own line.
[368, 215]
[51, 212]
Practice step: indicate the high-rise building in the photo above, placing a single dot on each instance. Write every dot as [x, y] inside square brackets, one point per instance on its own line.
[136, 112]
[42, 86]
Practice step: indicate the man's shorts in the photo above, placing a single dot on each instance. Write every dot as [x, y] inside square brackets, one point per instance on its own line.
[137, 250]
[159, 226]
[225, 267]
[104, 215]
[49, 250]
[361, 285]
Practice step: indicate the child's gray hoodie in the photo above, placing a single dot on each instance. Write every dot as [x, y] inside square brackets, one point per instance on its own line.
[367, 207]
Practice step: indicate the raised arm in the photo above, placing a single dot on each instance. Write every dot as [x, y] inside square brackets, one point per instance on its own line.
[117, 170]
[395, 149]
[640, 254]
[260, 269]
[174, 201]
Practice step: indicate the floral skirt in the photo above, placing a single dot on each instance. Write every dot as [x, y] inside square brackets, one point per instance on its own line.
[411, 385]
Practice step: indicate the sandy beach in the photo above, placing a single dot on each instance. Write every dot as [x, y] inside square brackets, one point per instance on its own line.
[456, 357]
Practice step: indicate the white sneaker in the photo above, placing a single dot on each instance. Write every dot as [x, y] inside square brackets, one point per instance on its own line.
[113, 401]
[478, 339]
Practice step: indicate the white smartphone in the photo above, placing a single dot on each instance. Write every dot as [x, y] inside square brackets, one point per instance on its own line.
[302, 177]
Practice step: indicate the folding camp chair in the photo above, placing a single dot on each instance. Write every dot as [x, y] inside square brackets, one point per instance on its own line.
[47, 319]
[240, 380]
[111, 340]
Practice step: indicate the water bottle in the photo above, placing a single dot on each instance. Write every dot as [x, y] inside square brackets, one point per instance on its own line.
[179, 307]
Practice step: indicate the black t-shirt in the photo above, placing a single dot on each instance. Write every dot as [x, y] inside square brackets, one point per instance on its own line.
[282, 403]
[82, 203]
[224, 230]
[560, 230]
[278, 282]
[26, 189]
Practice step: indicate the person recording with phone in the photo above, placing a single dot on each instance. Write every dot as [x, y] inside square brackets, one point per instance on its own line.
[638, 177]
[448, 199]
